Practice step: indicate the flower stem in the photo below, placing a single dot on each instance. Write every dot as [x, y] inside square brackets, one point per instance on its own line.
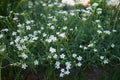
[0, 68]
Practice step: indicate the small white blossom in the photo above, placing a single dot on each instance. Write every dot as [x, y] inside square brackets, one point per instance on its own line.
[6, 30]
[99, 31]
[62, 70]
[74, 55]
[80, 46]
[44, 34]
[79, 58]
[97, 21]
[84, 19]
[15, 18]
[105, 61]
[72, 14]
[62, 35]
[99, 26]
[19, 25]
[61, 74]
[57, 64]
[67, 72]
[95, 50]
[52, 27]
[68, 65]
[65, 27]
[36, 62]
[85, 48]
[112, 45]
[55, 56]
[24, 66]
[3, 49]
[28, 27]
[14, 33]
[90, 45]
[52, 50]
[11, 43]
[107, 32]
[114, 30]
[102, 57]
[28, 22]
[79, 64]
[23, 55]
[62, 56]
[95, 4]
[1, 35]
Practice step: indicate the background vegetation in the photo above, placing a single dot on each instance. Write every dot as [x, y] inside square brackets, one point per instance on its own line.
[47, 40]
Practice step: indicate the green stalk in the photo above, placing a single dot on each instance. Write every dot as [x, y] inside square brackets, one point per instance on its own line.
[0, 68]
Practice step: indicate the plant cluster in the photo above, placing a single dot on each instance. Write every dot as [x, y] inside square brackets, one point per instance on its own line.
[41, 33]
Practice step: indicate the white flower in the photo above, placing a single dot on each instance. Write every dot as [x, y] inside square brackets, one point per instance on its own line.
[62, 35]
[72, 14]
[6, 30]
[95, 4]
[107, 32]
[57, 33]
[90, 45]
[62, 56]
[57, 64]
[24, 66]
[11, 43]
[84, 19]
[102, 57]
[69, 2]
[74, 55]
[65, 27]
[95, 50]
[79, 58]
[19, 25]
[34, 38]
[42, 28]
[80, 46]
[67, 72]
[61, 74]
[65, 18]
[79, 64]
[23, 55]
[15, 18]
[55, 56]
[17, 39]
[1, 35]
[52, 27]
[62, 70]
[44, 4]
[99, 26]
[28, 22]
[52, 38]
[44, 34]
[97, 21]
[14, 33]
[99, 31]
[28, 27]
[85, 48]
[114, 30]
[68, 65]
[36, 62]
[3, 49]
[105, 61]
[113, 2]
[49, 57]
[112, 45]
[52, 50]
[61, 49]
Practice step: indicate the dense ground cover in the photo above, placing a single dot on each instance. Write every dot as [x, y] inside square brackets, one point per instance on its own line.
[47, 40]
